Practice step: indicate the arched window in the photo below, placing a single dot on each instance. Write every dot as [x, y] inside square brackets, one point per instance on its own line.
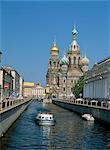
[74, 60]
[50, 63]
[58, 63]
[69, 61]
[74, 46]
[54, 63]
[78, 60]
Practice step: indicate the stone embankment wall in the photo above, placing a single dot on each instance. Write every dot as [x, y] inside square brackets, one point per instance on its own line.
[99, 113]
[9, 115]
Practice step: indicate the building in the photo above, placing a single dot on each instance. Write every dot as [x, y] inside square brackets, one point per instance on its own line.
[10, 83]
[17, 81]
[33, 90]
[27, 89]
[63, 74]
[38, 91]
[97, 81]
[21, 87]
[6, 84]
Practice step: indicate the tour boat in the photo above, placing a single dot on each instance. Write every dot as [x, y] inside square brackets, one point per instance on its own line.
[45, 118]
[88, 117]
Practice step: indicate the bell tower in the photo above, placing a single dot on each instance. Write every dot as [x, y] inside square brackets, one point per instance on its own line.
[52, 78]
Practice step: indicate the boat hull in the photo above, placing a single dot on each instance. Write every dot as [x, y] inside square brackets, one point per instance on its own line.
[45, 122]
[88, 117]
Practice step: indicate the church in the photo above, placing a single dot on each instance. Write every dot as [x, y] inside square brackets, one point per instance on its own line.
[63, 74]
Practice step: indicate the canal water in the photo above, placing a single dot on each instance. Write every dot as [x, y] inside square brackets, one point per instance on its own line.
[69, 133]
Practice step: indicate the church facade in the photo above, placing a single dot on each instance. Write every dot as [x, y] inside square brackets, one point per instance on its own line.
[63, 74]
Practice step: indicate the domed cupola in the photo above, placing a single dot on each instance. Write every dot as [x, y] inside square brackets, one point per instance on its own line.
[84, 61]
[54, 50]
[64, 60]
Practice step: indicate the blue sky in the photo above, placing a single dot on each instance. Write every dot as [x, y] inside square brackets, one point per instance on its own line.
[27, 30]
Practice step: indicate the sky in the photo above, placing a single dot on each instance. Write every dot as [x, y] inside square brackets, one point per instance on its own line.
[28, 28]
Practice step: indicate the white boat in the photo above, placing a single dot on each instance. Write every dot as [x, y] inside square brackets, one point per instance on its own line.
[45, 118]
[88, 117]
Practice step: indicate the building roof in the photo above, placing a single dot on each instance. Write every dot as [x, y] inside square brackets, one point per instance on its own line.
[64, 61]
[28, 84]
[104, 61]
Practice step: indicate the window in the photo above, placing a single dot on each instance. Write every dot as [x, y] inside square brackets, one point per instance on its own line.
[64, 80]
[50, 63]
[79, 60]
[54, 63]
[74, 60]
[63, 89]
[75, 81]
[69, 61]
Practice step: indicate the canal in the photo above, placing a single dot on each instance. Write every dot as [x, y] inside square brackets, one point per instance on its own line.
[69, 133]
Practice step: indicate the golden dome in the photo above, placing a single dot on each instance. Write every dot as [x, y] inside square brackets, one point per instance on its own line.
[54, 47]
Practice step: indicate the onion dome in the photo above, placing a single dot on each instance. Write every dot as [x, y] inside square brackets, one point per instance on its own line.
[54, 47]
[74, 32]
[84, 61]
[64, 61]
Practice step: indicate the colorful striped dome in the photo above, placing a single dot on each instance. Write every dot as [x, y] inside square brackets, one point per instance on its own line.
[64, 61]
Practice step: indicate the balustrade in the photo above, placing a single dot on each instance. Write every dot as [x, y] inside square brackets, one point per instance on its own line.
[88, 102]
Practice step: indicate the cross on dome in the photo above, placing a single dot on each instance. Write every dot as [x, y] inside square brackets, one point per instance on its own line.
[54, 41]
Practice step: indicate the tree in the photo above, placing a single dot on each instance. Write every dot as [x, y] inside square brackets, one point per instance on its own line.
[78, 88]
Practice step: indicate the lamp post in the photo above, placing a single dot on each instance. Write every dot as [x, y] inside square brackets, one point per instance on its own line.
[1, 92]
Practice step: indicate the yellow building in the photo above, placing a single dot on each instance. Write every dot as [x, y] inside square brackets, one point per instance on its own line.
[28, 87]
[33, 90]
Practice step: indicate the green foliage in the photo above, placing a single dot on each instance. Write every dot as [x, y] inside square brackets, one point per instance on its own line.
[78, 88]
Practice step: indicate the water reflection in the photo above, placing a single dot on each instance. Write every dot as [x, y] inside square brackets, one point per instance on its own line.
[47, 137]
[46, 131]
